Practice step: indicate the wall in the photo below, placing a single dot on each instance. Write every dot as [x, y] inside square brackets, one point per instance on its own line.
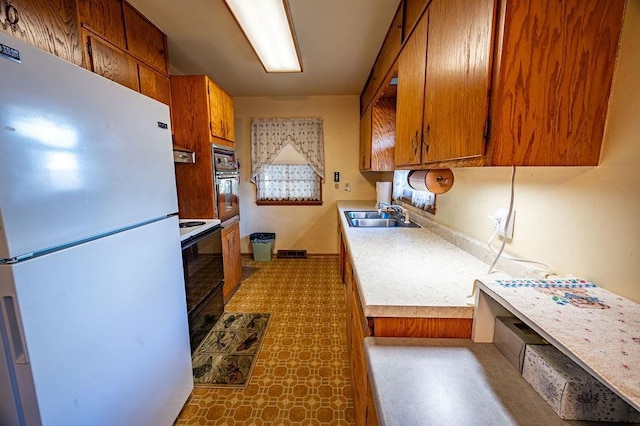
[582, 221]
[313, 228]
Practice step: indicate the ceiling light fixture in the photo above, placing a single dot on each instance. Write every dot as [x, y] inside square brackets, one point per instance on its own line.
[268, 27]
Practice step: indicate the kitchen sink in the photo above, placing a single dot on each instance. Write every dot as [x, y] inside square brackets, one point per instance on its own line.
[374, 219]
[369, 215]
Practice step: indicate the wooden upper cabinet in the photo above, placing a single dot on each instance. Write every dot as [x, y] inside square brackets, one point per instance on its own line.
[500, 83]
[390, 47]
[109, 62]
[412, 11]
[410, 101]
[386, 57]
[221, 115]
[105, 18]
[202, 110]
[154, 84]
[458, 75]
[554, 69]
[145, 40]
[378, 128]
[124, 46]
[365, 140]
[50, 25]
[216, 114]
[229, 117]
[383, 134]
[444, 74]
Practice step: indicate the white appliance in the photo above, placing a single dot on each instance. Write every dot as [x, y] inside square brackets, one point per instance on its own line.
[93, 323]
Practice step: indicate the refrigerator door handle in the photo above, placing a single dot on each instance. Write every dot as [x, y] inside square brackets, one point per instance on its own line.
[16, 337]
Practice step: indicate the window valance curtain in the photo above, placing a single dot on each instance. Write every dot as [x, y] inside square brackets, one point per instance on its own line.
[270, 135]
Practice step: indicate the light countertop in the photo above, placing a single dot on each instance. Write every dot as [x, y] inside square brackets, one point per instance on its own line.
[409, 272]
[450, 381]
[598, 329]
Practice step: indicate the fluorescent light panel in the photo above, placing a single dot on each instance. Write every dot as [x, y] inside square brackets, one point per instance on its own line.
[266, 25]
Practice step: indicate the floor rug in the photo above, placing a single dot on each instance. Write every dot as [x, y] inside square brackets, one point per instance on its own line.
[227, 355]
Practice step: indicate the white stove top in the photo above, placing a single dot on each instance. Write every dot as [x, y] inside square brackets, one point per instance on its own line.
[195, 230]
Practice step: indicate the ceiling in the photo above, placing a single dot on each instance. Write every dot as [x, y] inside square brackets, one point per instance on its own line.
[338, 41]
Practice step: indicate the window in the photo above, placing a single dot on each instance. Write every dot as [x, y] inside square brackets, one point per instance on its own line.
[296, 183]
[424, 200]
[287, 160]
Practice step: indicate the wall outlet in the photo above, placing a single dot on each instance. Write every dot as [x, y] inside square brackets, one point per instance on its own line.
[499, 219]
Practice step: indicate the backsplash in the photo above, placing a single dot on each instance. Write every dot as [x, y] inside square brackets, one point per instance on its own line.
[472, 246]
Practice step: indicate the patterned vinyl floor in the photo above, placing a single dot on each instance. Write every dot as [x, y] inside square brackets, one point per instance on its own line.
[302, 374]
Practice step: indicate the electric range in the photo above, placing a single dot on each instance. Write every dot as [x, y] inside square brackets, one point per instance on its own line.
[192, 227]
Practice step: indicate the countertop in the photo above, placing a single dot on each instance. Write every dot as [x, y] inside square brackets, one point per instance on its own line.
[598, 329]
[450, 381]
[409, 272]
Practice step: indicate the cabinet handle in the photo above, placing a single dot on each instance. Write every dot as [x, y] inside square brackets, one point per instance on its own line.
[426, 138]
[414, 143]
[12, 15]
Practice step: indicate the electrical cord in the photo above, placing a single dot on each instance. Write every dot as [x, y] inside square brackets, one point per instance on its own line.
[504, 241]
[547, 269]
[507, 220]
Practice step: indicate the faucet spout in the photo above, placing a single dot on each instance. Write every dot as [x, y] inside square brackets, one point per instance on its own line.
[399, 211]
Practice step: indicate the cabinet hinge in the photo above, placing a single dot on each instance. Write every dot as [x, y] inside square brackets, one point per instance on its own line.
[487, 129]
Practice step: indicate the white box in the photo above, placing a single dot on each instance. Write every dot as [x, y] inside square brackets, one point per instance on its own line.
[570, 391]
[510, 336]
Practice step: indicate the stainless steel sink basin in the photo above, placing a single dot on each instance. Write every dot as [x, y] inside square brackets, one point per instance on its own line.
[368, 215]
[373, 219]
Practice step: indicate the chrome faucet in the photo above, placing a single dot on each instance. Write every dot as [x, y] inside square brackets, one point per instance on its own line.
[400, 211]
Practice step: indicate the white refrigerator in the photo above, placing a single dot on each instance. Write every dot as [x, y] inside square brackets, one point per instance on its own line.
[93, 321]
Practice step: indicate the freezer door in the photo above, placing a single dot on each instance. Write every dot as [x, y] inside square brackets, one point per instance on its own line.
[105, 330]
[80, 155]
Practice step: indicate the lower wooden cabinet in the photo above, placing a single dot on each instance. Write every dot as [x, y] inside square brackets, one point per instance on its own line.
[359, 326]
[232, 259]
[357, 330]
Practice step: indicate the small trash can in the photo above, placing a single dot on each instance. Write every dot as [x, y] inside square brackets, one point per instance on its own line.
[262, 243]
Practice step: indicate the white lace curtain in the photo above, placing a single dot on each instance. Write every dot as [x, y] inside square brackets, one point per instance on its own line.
[291, 182]
[270, 135]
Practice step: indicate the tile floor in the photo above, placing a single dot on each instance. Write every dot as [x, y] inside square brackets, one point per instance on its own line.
[302, 374]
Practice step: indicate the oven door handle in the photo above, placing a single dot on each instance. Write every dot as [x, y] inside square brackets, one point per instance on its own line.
[226, 175]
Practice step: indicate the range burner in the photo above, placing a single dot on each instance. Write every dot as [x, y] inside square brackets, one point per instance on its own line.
[191, 224]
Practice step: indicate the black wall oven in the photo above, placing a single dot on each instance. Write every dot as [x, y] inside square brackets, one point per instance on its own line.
[204, 277]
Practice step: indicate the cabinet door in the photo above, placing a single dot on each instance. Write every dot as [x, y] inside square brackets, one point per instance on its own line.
[49, 25]
[359, 370]
[410, 102]
[383, 134]
[145, 40]
[228, 117]
[412, 11]
[365, 140]
[390, 47]
[457, 78]
[231, 259]
[109, 62]
[154, 84]
[104, 17]
[550, 102]
[216, 111]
